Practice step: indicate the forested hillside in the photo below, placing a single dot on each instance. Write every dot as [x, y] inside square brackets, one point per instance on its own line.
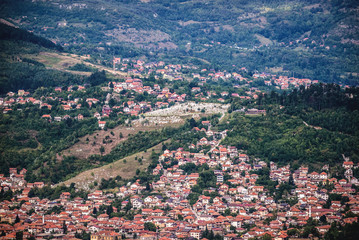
[18, 72]
[316, 39]
[312, 126]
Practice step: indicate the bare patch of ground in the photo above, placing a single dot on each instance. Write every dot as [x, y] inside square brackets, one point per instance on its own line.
[263, 40]
[91, 144]
[173, 116]
[152, 39]
[7, 23]
[228, 27]
[312, 6]
[276, 69]
[182, 23]
[126, 168]
[138, 36]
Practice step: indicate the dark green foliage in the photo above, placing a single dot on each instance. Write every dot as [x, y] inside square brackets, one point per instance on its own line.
[109, 210]
[150, 226]
[128, 206]
[310, 228]
[110, 183]
[54, 193]
[207, 179]
[26, 137]
[189, 168]
[6, 195]
[83, 235]
[27, 60]
[282, 136]
[19, 235]
[210, 235]
[64, 227]
[193, 197]
[22, 75]
[17, 34]
[97, 78]
[55, 210]
[348, 231]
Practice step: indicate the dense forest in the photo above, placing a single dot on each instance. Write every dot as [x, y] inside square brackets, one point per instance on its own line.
[17, 34]
[23, 73]
[311, 126]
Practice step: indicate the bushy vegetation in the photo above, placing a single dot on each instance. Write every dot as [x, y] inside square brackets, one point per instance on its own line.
[55, 193]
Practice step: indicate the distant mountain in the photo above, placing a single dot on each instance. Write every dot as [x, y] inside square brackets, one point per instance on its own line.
[317, 39]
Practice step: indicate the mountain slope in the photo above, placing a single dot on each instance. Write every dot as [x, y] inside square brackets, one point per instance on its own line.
[313, 38]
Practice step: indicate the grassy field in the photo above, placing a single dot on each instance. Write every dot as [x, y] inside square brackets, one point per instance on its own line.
[62, 61]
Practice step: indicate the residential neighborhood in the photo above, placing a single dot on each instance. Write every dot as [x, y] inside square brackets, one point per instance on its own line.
[236, 206]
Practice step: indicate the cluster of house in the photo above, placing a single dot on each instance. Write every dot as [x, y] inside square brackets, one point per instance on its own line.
[236, 206]
[164, 96]
[16, 181]
[175, 72]
[285, 82]
[222, 96]
[136, 85]
[22, 97]
[132, 107]
[13, 98]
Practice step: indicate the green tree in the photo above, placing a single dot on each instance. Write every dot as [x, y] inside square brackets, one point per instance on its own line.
[17, 219]
[109, 210]
[128, 206]
[64, 227]
[19, 235]
[150, 226]
[102, 149]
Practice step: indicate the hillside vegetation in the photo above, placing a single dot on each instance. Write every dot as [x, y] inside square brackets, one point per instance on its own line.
[313, 126]
[313, 38]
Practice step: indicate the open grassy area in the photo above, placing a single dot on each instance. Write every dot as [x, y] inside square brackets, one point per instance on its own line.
[263, 40]
[62, 61]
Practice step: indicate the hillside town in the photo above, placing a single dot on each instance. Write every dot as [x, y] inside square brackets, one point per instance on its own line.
[225, 198]
[200, 189]
[179, 120]
[119, 96]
